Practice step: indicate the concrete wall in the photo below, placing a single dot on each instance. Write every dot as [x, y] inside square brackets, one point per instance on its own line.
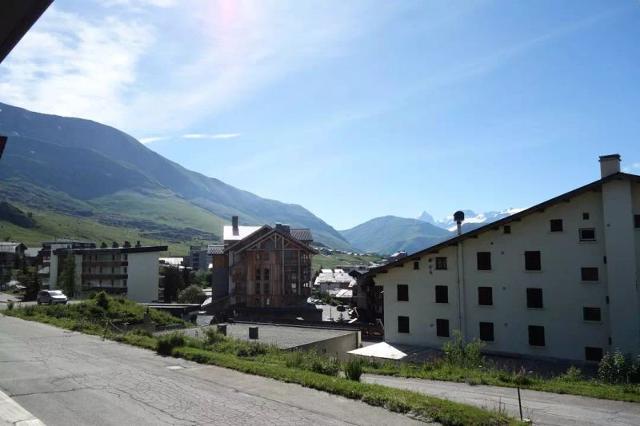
[564, 294]
[335, 346]
[144, 275]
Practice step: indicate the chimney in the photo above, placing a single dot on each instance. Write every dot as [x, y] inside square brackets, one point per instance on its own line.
[234, 224]
[609, 165]
[459, 218]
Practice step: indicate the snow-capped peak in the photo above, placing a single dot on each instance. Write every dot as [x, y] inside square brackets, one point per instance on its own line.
[470, 218]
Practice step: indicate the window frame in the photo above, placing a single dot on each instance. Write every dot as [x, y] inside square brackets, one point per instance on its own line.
[482, 291]
[401, 322]
[585, 277]
[527, 265]
[532, 297]
[488, 326]
[416, 265]
[533, 337]
[556, 225]
[506, 229]
[483, 258]
[441, 322]
[636, 221]
[587, 240]
[440, 260]
[591, 311]
[588, 349]
[446, 293]
[405, 292]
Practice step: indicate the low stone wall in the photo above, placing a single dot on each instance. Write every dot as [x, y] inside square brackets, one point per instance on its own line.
[335, 346]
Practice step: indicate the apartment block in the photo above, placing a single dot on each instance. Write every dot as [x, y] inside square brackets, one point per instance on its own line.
[557, 280]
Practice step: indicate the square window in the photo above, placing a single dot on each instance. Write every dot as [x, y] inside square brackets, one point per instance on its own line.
[484, 260]
[485, 296]
[442, 327]
[592, 354]
[636, 220]
[532, 261]
[536, 335]
[587, 234]
[589, 274]
[591, 314]
[534, 298]
[403, 324]
[442, 294]
[403, 293]
[441, 263]
[486, 331]
[555, 225]
[416, 265]
[585, 216]
[507, 229]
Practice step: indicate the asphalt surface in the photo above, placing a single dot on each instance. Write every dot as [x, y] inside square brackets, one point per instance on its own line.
[67, 378]
[542, 408]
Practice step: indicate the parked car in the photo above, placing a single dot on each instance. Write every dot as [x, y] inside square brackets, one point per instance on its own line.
[51, 296]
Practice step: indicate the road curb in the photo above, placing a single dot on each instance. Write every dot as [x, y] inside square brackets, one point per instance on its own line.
[12, 413]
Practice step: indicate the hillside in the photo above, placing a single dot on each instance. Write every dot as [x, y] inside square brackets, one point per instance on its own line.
[389, 234]
[79, 168]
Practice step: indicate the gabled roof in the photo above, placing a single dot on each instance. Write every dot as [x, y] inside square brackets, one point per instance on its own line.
[264, 232]
[596, 185]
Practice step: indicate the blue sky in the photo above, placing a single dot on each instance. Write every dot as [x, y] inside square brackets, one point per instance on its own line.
[352, 109]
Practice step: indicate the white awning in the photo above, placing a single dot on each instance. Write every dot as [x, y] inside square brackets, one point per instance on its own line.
[379, 350]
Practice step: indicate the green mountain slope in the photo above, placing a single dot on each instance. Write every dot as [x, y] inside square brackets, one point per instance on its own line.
[389, 234]
[86, 169]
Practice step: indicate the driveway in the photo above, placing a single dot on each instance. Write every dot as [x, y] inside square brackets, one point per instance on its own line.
[67, 378]
[541, 407]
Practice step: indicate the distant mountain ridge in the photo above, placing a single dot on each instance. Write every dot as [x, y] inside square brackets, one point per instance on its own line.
[389, 234]
[86, 169]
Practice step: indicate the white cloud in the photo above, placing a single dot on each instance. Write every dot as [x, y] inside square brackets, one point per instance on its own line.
[70, 65]
[211, 136]
[151, 139]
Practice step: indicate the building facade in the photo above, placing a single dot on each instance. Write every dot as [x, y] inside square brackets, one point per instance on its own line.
[263, 266]
[11, 257]
[130, 271]
[558, 280]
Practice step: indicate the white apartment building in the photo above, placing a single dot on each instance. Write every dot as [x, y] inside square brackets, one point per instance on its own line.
[558, 280]
[131, 271]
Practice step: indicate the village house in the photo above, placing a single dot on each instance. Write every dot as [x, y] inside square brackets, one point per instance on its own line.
[558, 280]
[11, 257]
[263, 267]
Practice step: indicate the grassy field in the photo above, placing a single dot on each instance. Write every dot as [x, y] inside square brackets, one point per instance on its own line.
[305, 368]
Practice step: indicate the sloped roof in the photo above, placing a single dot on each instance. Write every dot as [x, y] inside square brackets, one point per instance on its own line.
[16, 17]
[243, 232]
[11, 247]
[595, 185]
[302, 234]
[265, 231]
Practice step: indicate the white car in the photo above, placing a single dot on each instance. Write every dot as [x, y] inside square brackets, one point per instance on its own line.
[51, 297]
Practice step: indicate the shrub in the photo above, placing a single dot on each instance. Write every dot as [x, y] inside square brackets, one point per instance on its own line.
[353, 369]
[167, 342]
[102, 300]
[294, 359]
[459, 353]
[10, 305]
[324, 365]
[192, 294]
[572, 374]
[212, 336]
[613, 368]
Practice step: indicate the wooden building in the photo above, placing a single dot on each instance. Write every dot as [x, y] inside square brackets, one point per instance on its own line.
[263, 266]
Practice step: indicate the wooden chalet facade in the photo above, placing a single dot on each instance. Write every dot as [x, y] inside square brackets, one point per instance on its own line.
[265, 267]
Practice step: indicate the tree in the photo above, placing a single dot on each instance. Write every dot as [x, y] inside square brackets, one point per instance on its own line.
[173, 283]
[192, 294]
[32, 284]
[68, 275]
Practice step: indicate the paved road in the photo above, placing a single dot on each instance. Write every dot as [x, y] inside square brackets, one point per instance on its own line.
[541, 407]
[66, 378]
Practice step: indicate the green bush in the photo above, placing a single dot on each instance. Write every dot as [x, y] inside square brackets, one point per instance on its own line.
[459, 353]
[10, 305]
[323, 365]
[212, 336]
[572, 374]
[617, 368]
[167, 342]
[353, 369]
[102, 300]
[294, 359]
